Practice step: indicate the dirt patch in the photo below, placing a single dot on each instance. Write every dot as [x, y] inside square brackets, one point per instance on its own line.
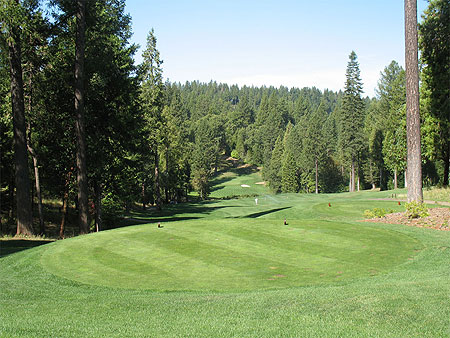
[246, 165]
[439, 219]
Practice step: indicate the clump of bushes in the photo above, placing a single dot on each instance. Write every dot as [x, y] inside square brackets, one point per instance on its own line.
[112, 210]
[415, 210]
[376, 213]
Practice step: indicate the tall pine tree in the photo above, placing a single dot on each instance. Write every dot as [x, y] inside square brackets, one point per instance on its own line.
[12, 14]
[434, 43]
[152, 97]
[352, 119]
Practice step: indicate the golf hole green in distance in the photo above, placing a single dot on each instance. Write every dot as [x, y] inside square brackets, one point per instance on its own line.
[229, 254]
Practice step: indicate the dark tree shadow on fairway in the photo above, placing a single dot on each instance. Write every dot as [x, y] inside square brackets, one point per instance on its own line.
[15, 245]
[216, 184]
[136, 221]
[217, 181]
[170, 213]
[262, 213]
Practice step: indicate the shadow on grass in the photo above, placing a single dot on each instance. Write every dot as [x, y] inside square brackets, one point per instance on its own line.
[216, 182]
[136, 221]
[169, 213]
[11, 246]
[262, 213]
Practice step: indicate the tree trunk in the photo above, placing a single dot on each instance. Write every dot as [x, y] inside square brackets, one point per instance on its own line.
[64, 206]
[406, 179]
[157, 184]
[352, 180]
[166, 188]
[22, 180]
[33, 154]
[317, 176]
[98, 206]
[143, 195]
[11, 196]
[63, 214]
[446, 158]
[395, 179]
[38, 190]
[414, 161]
[83, 211]
[383, 180]
[372, 176]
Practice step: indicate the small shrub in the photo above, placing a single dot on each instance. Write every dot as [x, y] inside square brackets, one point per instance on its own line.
[235, 154]
[415, 210]
[375, 213]
[112, 209]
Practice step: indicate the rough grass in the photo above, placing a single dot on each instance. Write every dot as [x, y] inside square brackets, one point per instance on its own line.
[437, 194]
[89, 286]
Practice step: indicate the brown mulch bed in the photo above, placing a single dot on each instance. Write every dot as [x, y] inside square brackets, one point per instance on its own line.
[439, 219]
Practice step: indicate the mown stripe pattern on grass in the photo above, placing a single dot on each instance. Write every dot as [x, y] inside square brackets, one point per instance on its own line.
[227, 255]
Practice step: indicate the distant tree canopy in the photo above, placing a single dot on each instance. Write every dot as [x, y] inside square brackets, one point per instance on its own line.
[150, 142]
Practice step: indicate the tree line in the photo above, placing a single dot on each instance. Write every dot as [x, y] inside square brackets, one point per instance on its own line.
[89, 127]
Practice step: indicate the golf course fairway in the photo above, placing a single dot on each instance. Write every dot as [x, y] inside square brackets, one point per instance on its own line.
[228, 254]
[232, 268]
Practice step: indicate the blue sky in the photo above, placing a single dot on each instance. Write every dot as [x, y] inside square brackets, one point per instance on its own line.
[266, 42]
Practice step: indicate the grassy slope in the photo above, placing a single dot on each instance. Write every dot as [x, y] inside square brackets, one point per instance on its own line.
[409, 299]
[229, 183]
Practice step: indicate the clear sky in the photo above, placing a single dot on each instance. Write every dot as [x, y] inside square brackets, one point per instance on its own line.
[272, 42]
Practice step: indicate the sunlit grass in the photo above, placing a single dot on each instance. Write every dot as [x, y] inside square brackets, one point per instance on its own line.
[231, 268]
[437, 194]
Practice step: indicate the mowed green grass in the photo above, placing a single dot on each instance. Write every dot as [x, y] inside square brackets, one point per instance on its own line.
[231, 268]
[238, 182]
[229, 255]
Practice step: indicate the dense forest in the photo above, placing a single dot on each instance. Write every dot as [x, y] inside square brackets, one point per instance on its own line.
[83, 125]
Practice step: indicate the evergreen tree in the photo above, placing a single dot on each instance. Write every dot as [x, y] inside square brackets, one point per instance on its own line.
[80, 129]
[111, 107]
[152, 97]
[435, 55]
[386, 121]
[374, 165]
[12, 14]
[272, 172]
[209, 136]
[314, 142]
[352, 119]
[289, 179]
